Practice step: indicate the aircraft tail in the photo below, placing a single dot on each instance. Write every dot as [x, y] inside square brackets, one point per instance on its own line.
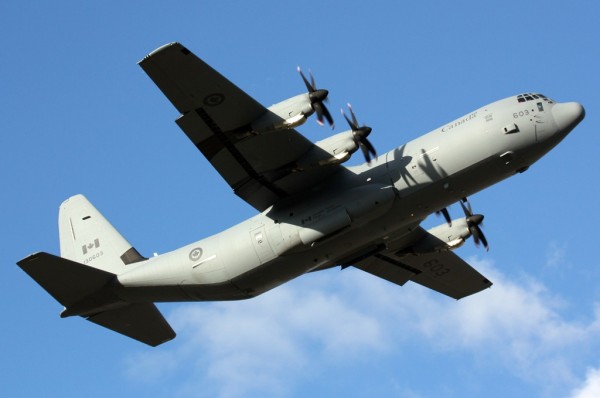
[88, 238]
[93, 294]
[84, 279]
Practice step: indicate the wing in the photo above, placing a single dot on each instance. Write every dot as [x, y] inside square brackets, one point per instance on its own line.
[216, 116]
[443, 272]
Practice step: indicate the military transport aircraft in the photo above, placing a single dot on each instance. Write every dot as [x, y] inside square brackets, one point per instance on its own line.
[314, 213]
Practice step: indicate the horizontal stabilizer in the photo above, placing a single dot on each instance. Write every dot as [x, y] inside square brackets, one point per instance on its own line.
[89, 292]
[140, 321]
[67, 281]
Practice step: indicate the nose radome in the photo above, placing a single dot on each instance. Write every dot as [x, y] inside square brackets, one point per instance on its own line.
[567, 115]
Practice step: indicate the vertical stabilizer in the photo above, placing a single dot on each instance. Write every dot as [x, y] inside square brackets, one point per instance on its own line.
[88, 238]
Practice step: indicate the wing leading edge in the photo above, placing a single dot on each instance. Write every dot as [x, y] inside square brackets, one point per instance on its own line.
[216, 116]
[444, 271]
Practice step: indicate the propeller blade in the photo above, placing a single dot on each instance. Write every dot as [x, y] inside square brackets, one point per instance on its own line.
[370, 147]
[468, 204]
[318, 107]
[446, 215]
[354, 121]
[353, 126]
[479, 237]
[466, 210]
[475, 235]
[312, 80]
[483, 239]
[365, 152]
[309, 87]
[328, 116]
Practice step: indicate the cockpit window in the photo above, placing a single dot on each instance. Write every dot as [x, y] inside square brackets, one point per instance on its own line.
[531, 97]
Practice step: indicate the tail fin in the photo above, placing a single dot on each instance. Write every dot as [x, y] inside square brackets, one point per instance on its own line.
[88, 238]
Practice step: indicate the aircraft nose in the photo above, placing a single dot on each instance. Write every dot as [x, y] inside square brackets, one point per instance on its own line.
[568, 115]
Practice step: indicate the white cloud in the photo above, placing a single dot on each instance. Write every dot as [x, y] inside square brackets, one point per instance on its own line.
[327, 320]
[517, 323]
[260, 345]
[590, 387]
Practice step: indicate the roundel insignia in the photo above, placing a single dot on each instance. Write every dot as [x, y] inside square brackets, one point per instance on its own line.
[213, 99]
[195, 254]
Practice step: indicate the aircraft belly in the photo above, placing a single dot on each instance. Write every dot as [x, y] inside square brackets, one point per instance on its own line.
[184, 292]
[273, 274]
[214, 292]
[172, 293]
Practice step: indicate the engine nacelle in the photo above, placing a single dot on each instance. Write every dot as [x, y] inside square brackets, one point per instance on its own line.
[338, 148]
[284, 115]
[443, 237]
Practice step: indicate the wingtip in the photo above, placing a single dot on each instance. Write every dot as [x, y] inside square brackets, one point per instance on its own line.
[163, 48]
[22, 262]
[172, 337]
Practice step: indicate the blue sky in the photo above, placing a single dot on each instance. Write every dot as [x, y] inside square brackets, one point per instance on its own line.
[79, 116]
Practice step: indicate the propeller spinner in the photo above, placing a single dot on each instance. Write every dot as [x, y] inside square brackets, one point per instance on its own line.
[317, 98]
[360, 135]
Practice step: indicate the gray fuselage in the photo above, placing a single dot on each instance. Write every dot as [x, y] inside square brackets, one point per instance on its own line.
[359, 210]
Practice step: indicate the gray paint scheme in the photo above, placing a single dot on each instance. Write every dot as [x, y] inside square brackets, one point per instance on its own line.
[315, 213]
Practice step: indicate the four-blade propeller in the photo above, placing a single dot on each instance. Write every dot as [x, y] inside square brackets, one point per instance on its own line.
[317, 97]
[473, 223]
[360, 135]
